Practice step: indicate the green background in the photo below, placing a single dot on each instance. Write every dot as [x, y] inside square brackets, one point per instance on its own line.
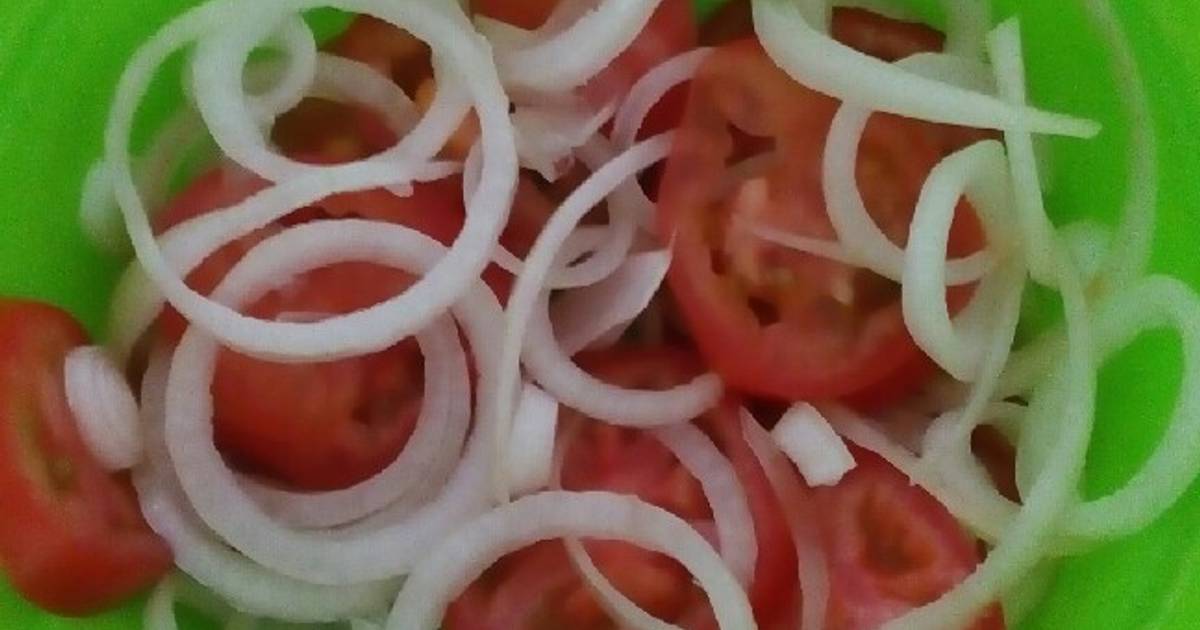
[59, 61]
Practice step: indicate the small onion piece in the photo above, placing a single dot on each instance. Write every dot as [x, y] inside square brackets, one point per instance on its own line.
[463, 556]
[530, 457]
[548, 135]
[104, 407]
[583, 316]
[813, 568]
[812, 445]
[816, 60]
[160, 608]
[650, 89]
[569, 58]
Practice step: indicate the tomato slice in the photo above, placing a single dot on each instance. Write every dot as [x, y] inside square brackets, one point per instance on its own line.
[538, 588]
[72, 538]
[891, 547]
[772, 321]
[391, 50]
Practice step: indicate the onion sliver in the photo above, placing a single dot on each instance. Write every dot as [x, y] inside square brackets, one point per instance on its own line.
[981, 169]
[104, 408]
[1168, 472]
[1027, 540]
[816, 60]
[548, 135]
[463, 556]
[245, 585]
[650, 89]
[530, 457]
[372, 329]
[424, 464]
[527, 309]
[813, 567]
[160, 608]
[620, 608]
[812, 445]
[568, 59]
[583, 316]
[326, 558]
[1037, 240]
[731, 509]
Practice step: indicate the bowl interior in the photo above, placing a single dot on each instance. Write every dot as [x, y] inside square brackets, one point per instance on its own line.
[59, 62]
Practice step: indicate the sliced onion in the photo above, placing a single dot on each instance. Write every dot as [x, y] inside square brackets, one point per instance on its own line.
[1030, 536]
[422, 467]
[326, 557]
[527, 313]
[823, 248]
[160, 608]
[344, 79]
[967, 25]
[245, 585]
[531, 447]
[808, 440]
[650, 89]
[104, 407]
[1089, 244]
[818, 61]
[806, 537]
[583, 316]
[462, 556]
[569, 58]
[548, 135]
[979, 168]
[1170, 469]
[376, 328]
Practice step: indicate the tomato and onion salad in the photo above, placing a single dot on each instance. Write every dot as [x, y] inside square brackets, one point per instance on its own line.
[412, 147]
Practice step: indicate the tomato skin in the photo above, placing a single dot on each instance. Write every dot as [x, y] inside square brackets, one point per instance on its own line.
[72, 538]
[392, 51]
[891, 547]
[671, 31]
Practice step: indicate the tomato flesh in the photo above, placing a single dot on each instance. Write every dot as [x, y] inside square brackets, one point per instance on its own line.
[772, 321]
[72, 538]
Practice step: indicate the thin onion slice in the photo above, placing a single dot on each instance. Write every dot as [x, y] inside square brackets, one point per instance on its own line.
[818, 61]
[531, 447]
[808, 440]
[650, 89]
[813, 568]
[569, 58]
[583, 316]
[373, 329]
[104, 407]
[463, 556]
[422, 467]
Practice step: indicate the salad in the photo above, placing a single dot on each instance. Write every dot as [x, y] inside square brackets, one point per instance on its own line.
[584, 314]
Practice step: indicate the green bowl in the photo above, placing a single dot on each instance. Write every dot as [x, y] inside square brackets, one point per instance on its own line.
[60, 59]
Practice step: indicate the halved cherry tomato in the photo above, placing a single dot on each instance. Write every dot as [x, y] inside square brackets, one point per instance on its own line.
[72, 538]
[538, 589]
[891, 547]
[772, 321]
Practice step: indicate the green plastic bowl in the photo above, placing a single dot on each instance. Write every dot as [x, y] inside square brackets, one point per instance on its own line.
[60, 60]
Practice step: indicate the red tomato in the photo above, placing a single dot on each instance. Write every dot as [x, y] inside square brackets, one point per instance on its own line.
[320, 131]
[538, 588]
[891, 547]
[772, 321]
[72, 538]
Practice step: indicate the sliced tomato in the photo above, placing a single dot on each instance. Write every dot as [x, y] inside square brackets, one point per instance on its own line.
[72, 538]
[891, 547]
[772, 321]
[538, 588]
[320, 131]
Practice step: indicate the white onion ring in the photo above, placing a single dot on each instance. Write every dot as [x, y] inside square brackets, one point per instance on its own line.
[583, 316]
[530, 457]
[103, 406]
[816, 60]
[569, 58]
[424, 464]
[245, 585]
[650, 89]
[326, 558]
[463, 556]
[392, 320]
